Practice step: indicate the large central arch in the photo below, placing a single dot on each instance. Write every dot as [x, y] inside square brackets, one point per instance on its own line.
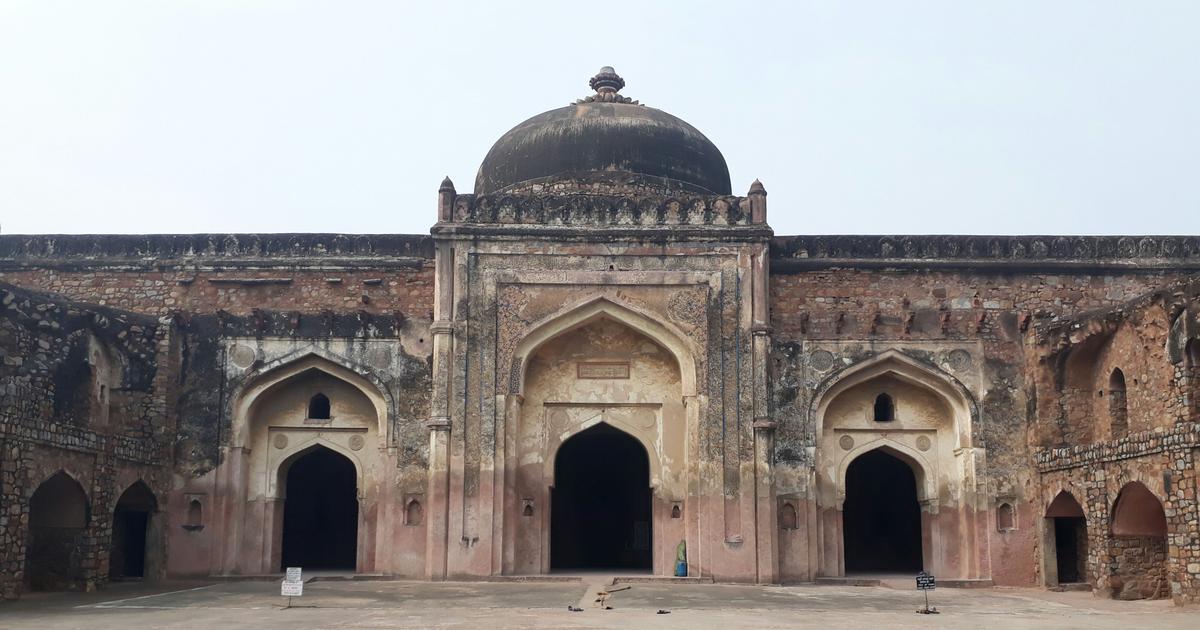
[594, 367]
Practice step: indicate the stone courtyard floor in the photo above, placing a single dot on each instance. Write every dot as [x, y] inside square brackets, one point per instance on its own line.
[492, 605]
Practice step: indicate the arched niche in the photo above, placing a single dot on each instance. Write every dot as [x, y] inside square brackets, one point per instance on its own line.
[59, 517]
[930, 430]
[272, 429]
[1137, 545]
[1137, 512]
[304, 367]
[898, 368]
[579, 315]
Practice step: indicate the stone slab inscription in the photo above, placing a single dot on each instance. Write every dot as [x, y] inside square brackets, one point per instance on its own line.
[603, 369]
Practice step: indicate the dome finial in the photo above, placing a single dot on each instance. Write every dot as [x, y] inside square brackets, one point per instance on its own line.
[607, 83]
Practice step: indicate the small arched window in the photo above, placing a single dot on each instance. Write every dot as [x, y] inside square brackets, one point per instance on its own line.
[1006, 519]
[787, 516]
[885, 409]
[195, 515]
[1118, 411]
[413, 513]
[318, 407]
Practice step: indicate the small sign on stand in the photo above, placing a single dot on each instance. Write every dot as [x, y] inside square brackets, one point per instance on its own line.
[292, 585]
[926, 583]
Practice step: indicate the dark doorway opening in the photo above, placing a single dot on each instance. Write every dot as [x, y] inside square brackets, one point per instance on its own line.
[131, 526]
[58, 521]
[600, 515]
[881, 518]
[320, 514]
[1070, 544]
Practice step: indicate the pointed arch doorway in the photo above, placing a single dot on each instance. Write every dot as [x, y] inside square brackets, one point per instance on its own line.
[320, 512]
[601, 514]
[881, 516]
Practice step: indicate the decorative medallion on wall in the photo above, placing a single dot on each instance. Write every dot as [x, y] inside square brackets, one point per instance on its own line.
[821, 360]
[958, 359]
[846, 442]
[242, 356]
[357, 442]
[280, 440]
[380, 358]
[923, 443]
[686, 307]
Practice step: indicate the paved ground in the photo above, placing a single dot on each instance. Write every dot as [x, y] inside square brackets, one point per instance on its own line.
[394, 604]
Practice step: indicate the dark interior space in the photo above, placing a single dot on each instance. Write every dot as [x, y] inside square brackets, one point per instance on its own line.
[600, 515]
[1070, 540]
[58, 519]
[320, 515]
[131, 524]
[881, 516]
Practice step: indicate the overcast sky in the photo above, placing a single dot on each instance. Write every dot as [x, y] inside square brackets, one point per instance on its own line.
[859, 117]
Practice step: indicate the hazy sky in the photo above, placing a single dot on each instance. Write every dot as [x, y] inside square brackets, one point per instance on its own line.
[859, 117]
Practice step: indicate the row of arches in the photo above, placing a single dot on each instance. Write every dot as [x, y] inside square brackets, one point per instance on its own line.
[60, 518]
[1131, 562]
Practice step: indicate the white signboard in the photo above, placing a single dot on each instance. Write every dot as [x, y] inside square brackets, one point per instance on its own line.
[292, 589]
[293, 574]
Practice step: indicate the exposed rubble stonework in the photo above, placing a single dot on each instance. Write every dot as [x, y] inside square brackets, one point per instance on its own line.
[600, 313]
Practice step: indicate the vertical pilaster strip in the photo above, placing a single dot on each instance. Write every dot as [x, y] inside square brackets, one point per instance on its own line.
[442, 329]
[765, 518]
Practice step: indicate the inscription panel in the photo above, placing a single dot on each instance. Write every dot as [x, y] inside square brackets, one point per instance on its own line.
[603, 369]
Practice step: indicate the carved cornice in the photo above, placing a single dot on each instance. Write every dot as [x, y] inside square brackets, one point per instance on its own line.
[603, 211]
[799, 252]
[214, 247]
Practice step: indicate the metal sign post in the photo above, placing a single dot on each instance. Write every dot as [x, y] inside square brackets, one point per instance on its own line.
[926, 583]
[292, 585]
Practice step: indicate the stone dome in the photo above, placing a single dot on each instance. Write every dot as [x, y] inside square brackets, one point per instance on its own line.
[605, 143]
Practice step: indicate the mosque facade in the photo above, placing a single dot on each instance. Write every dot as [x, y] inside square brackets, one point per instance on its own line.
[602, 358]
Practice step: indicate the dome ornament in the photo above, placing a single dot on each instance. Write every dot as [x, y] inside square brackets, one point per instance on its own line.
[607, 83]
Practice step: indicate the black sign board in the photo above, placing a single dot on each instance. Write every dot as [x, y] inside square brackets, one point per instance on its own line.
[925, 581]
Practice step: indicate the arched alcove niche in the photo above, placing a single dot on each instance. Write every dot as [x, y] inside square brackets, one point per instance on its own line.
[930, 433]
[273, 428]
[600, 363]
[59, 517]
[1137, 545]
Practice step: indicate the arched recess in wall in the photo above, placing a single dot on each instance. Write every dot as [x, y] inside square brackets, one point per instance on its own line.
[136, 543]
[591, 310]
[273, 422]
[1137, 545]
[1066, 541]
[1078, 382]
[592, 368]
[289, 367]
[931, 432]
[59, 517]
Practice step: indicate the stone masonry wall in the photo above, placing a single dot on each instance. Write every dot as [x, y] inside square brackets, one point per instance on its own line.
[1165, 461]
[43, 343]
[236, 273]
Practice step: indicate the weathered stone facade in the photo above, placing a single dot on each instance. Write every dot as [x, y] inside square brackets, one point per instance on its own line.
[754, 371]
